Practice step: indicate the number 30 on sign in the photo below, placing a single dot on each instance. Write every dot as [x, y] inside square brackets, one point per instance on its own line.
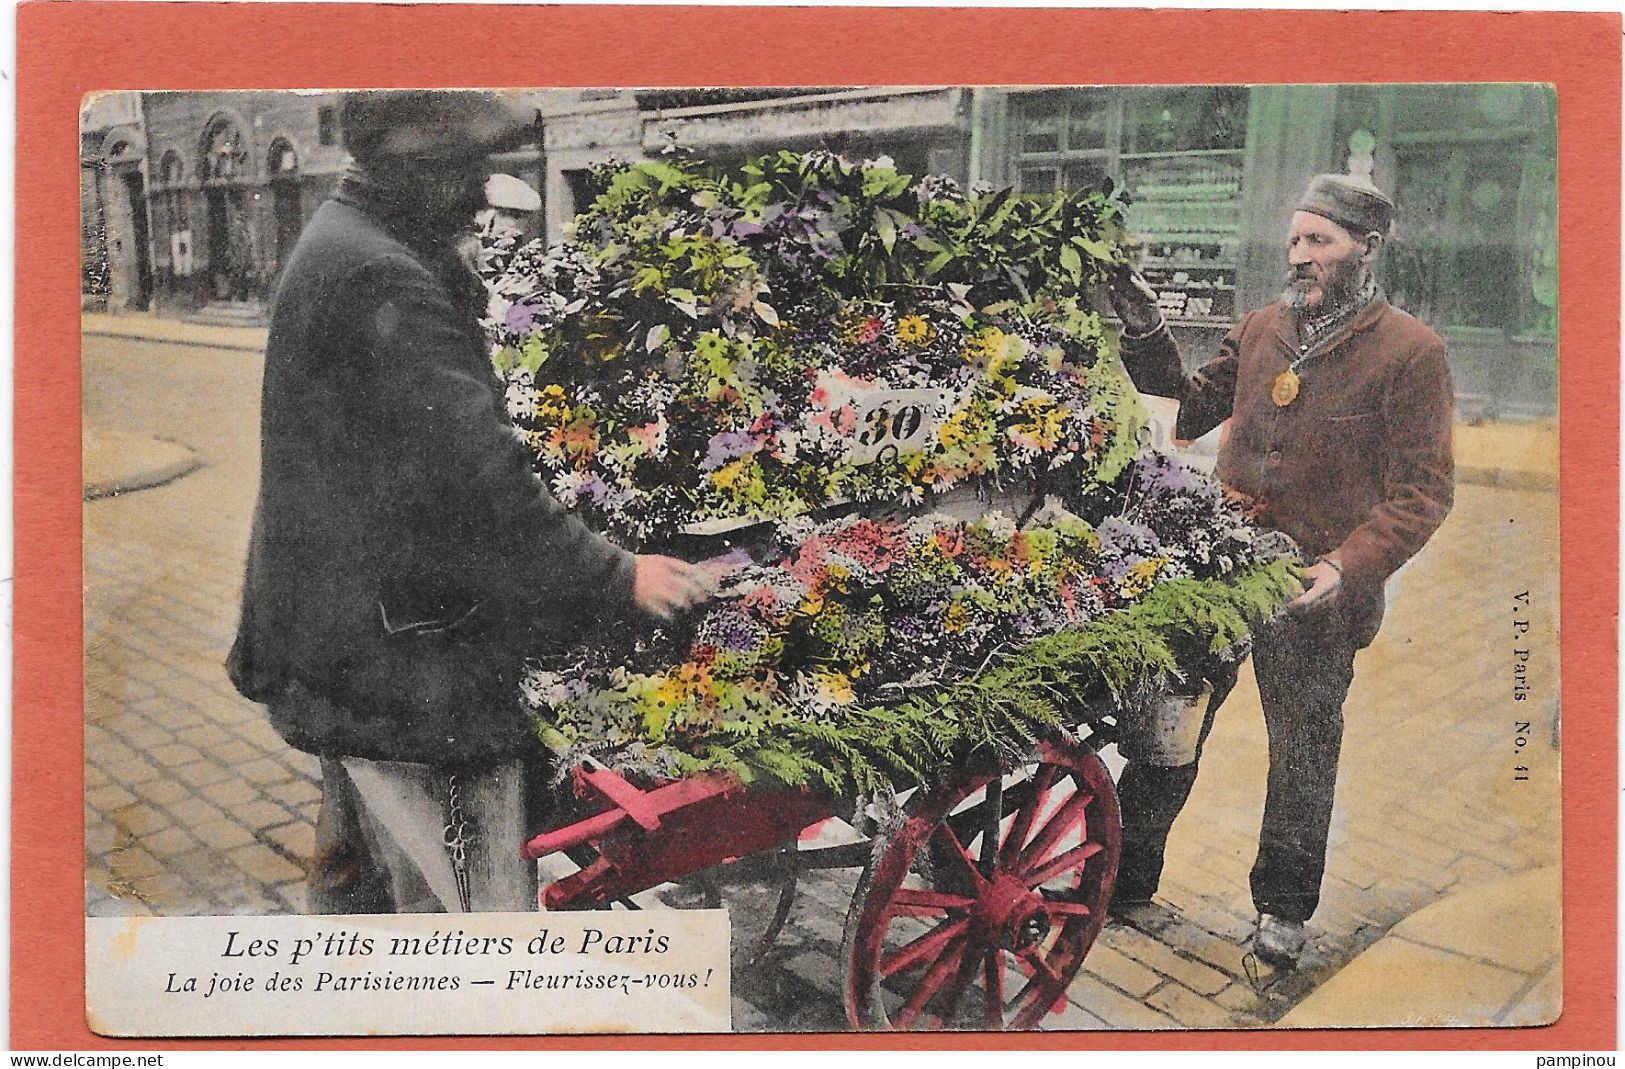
[894, 421]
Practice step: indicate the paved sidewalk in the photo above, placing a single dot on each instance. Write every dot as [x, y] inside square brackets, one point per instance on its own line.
[1471, 949]
[140, 326]
[194, 806]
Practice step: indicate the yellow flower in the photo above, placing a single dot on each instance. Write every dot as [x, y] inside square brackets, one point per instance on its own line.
[1140, 578]
[670, 692]
[836, 685]
[710, 345]
[955, 430]
[913, 330]
[985, 348]
[1007, 355]
[956, 619]
[732, 473]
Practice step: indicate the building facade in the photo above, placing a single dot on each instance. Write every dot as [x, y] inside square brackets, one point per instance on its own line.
[115, 245]
[228, 179]
[233, 178]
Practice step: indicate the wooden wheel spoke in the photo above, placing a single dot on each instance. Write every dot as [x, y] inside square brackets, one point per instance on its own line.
[930, 984]
[993, 977]
[956, 991]
[916, 901]
[1032, 960]
[1023, 826]
[1064, 817]
[992, 817]
[1034, 999]
[934, 942]
[1061, 862]
[1032, 1004]
[1069, 909]
[1041, 992]
[957, 851]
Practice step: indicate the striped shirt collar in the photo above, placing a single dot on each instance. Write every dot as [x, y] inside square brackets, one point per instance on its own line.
[1313, 330]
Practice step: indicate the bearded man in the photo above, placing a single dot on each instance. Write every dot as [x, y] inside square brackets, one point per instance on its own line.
[405, 558]
[1339, 410]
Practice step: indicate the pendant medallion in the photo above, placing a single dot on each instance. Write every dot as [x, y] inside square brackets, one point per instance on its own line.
[1285, 390]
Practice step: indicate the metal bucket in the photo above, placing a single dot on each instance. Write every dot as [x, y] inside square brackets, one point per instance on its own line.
[1166, 731]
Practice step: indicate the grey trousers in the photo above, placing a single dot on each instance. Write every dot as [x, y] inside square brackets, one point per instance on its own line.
[382, 842]
[1304, 671]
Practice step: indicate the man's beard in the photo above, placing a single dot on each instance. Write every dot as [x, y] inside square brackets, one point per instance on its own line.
[1342, 282]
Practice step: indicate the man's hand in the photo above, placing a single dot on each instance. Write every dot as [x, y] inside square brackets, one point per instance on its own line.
[665, 586]
[1133, 299]
[1323, 580]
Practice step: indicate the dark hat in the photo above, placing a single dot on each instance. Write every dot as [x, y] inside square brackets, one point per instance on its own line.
[432, 123]
[1351, 202]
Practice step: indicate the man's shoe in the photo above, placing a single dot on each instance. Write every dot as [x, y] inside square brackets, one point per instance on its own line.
[1141, 914]
[1277, 942]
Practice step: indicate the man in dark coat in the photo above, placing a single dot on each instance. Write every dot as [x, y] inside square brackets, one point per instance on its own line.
[1339, 410]
[404, 556]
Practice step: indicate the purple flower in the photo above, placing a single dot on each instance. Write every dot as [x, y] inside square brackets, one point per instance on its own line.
[730, 631]
[521, 317]
[726, 446]
[1161, 473]
[1123, 538]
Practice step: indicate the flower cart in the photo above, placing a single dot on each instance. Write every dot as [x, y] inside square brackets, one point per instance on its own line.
[949, 570]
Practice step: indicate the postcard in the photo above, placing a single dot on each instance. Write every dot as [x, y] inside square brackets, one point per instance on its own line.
[1082, 552]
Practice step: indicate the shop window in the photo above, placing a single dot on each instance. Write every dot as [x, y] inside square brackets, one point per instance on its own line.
[1476, 244]
[283, 161]
[579, 185]
[1188, 119]
[1178, 152]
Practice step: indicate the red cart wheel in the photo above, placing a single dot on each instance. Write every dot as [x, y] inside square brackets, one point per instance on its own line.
[978, 912]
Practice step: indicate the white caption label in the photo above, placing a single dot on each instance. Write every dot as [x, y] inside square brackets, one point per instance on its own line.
[425, 974]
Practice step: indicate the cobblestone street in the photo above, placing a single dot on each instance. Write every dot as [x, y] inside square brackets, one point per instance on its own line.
[193, 805]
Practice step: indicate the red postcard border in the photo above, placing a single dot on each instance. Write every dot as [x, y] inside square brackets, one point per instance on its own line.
[68, 49]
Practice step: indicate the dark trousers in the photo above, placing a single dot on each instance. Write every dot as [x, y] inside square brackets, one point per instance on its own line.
[346, 874]
[1304, 670]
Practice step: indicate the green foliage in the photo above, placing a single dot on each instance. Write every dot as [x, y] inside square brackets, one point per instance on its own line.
[1113, 661]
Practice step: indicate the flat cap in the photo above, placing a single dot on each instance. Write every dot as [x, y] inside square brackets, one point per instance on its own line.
[432, 123]
[505, 192]
[1351, 202]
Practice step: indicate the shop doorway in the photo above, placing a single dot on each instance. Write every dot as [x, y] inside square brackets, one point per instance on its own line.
[229, 266]
[135, 193]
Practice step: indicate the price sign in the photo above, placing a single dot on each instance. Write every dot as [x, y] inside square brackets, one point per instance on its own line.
[894, 421]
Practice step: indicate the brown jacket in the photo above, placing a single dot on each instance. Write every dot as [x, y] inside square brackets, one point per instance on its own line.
[1359, 465]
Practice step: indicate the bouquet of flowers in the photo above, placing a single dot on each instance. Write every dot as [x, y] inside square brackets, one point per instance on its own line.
[859, 656]
[809, 332]
[756, 348]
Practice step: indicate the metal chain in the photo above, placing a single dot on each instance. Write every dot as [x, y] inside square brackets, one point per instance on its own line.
[459, 836]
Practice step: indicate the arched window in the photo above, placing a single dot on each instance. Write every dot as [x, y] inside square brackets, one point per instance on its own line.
[223, 151]
[283, 161]
[171, 172]
[172, 179]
